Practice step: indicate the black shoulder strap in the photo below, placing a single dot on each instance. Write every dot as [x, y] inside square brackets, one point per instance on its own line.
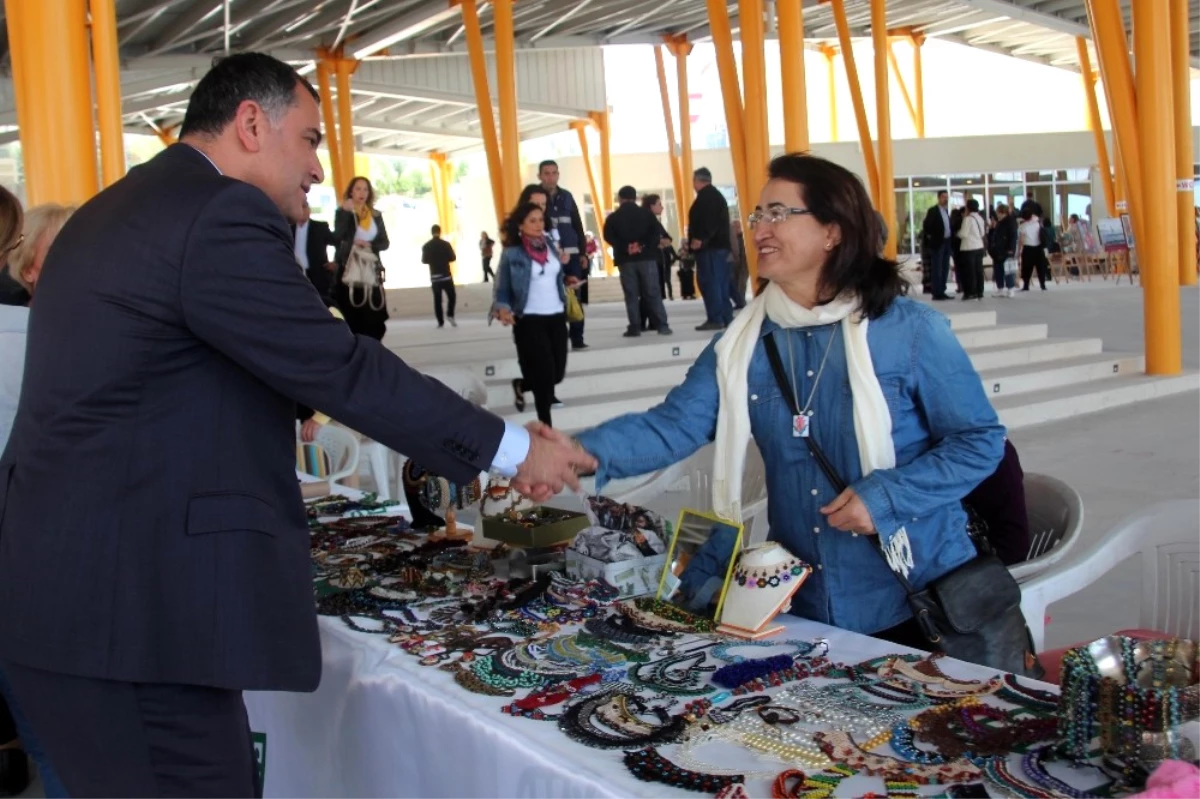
[827, 467]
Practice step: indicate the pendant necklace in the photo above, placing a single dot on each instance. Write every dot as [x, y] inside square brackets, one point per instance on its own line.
[801, 421]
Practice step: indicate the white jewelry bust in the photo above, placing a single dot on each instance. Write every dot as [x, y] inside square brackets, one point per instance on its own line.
[764, 580]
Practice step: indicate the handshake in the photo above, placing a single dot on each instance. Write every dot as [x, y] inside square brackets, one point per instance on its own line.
[555, 460]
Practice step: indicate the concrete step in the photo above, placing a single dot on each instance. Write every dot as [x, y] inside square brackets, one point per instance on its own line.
[1050, 349]
[1002, 335]
[1059, 373]
[1098, 395]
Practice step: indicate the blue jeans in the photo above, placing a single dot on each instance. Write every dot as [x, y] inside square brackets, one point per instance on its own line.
[715, 275]
[941, 268]
[51, 784]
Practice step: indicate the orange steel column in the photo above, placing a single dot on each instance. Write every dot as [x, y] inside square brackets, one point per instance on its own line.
[329, 114]
[830, 54]
[681, 48]
[908, 103]
[1089, 90]
[883, 126]
[789, 15]
[1184, 178]
[1158, 235]
[344, 68]
[754, 95]
[600, 120]
[107, 65]
[860, 107]
[52, 82]
[483, 101]
[918, 41]
[506, 95]
[580, 127]
[672, 155]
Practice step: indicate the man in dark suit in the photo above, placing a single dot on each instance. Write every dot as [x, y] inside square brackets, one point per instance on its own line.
[438, 254]
[936, 236]
[313, 238]
[154, 552]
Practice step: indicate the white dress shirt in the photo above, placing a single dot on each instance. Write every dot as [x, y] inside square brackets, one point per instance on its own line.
[301, 247]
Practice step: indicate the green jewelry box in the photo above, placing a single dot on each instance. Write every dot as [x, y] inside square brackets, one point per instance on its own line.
[569, 524]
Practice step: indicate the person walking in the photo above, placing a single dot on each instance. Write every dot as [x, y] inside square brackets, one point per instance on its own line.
[358, 225]
[486, 247]
[635, 235]
[531, 297]
[1033, 255]
[160, 386]
[564, 225]
[1004, 251]
[972, 235]
[935, 247]
[708, 241]
[439, 254]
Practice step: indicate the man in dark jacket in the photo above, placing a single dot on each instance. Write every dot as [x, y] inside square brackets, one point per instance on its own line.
[708, 240]
[634, 233]
[936, 236]
[1032, 205]
[313, 238]
[1004, 247]
[565, 225]
[439, 254]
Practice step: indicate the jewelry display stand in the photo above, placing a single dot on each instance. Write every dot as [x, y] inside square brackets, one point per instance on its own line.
[764, 580]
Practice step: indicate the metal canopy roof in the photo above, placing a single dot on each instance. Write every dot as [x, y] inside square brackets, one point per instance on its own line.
[168, 44]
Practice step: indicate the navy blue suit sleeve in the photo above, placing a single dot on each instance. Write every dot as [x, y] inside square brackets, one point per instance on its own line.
[242, 293]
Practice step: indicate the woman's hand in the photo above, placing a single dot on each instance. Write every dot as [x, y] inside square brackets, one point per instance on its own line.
[309, 430]
[563, 258]
[348, 205]
[572, 282]
[850, 514]
[504, 316]
[361, 243]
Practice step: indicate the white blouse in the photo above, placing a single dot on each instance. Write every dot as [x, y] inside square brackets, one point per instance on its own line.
[366, 234]
[543, 299]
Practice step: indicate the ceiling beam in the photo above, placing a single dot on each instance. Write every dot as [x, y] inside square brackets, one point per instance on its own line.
[1020, 13]
[193, 15]
[407, 27]
[433, 95]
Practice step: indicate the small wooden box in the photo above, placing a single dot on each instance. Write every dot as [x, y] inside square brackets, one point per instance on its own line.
[500, 528]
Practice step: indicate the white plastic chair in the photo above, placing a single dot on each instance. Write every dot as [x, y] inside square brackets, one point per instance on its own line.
[462, 382]
[342, 448]
[1168, 537]
[1055, 513]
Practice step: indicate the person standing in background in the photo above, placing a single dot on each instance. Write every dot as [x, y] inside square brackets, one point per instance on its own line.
[439, 254]
[972, 236]
[564, 226]
[1033, 255]
[1004, 249]
[666, 253]
[312, 239]
[708, 241]
[935, 247]
[635, 235]
[741, 266]
[486, 246]
[358, 224]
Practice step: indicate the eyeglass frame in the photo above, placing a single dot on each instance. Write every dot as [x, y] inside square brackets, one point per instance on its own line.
[782, 213]
[20, 240]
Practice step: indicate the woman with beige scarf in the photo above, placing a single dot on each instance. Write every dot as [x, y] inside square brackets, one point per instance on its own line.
[877, 380]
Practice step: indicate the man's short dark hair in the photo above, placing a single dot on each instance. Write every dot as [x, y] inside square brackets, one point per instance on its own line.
[545, 164]
[627, 194]
[436, 230]
[234, 79]
[941, 192]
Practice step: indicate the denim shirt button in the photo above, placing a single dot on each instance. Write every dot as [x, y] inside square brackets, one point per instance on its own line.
[809, 373]
[854, 535]
[808, 334]
[754, 397]
[821, 567]
[817, 530]
[814, 492]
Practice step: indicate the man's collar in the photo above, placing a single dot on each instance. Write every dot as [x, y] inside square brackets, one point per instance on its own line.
[206, 158]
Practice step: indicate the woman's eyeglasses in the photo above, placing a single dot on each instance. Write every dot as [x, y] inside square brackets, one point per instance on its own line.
[20, 240]
[774, 215]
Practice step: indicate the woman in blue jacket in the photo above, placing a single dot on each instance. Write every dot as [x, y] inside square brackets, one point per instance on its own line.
[881, 383]
[531, 296]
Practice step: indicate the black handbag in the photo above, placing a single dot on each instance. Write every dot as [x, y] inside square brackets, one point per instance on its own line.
[972, 613]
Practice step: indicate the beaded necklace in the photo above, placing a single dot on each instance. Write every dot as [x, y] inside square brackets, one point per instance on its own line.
[681, 675]
[649, 766]
[626, 654]
[623, 630]
[1030, 698]
[770, 576]
[775, 679]
[722, 651]
[577, 721]
[840, 746]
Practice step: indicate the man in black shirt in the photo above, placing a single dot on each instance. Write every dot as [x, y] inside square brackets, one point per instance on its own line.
[438, 253]
[708, 237]
[635, 235]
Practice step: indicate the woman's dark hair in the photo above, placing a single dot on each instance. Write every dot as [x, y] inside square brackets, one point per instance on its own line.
[528, 192]
[10, 223]
[512, 225]
[835, 195]
[650, 200]
[1026, 214]
[370, 190]
[973, 206]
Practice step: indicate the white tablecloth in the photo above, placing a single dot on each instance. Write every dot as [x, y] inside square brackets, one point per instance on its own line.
[383, 725]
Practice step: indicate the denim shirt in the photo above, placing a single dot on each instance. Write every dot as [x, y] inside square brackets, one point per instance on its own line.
[513, 276]
[946, 435]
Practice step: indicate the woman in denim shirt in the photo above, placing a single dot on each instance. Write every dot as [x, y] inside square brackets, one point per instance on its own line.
[883, 386]
[531, 296]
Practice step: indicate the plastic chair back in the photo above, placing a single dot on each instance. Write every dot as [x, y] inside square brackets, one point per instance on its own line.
[1055, 512]
[462, 382]
[341, 447]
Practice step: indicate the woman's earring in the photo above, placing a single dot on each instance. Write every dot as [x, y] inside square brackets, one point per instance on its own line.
[828, 246]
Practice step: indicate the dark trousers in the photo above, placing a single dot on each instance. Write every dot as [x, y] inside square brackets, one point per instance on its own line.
[941, 268]
[664, 277]
[580, 267]
[713, 272]
[971, 273]
[487, 268]
[444, 287]
[14, 724]
[542, 353]
[109, 738]
[687, 283]
[1034, 257]
[640, 284]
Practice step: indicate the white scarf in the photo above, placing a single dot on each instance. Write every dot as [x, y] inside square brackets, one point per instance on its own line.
[872, 419]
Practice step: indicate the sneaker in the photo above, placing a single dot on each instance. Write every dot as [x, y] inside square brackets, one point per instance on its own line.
[1011, 293]
[632, 333]
[452, 322]
[711, 326]
[665, 331]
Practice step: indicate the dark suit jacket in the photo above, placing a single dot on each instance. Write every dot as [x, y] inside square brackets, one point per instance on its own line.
[151, 525]
[933, 229]
[708, 219]
[320, 239]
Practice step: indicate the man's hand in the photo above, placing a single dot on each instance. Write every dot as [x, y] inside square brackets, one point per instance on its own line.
[331, 267]
[694, 245]
[554, 461]
[309, 430]
[634, 248]
[848, 513]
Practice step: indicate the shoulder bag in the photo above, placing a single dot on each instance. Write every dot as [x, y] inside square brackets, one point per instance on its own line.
[363, 273]
[972, 613]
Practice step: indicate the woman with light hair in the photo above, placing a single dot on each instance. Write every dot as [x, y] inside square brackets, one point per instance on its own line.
[24, 241]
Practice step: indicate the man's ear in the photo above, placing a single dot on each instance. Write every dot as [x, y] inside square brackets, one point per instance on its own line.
[250, 124]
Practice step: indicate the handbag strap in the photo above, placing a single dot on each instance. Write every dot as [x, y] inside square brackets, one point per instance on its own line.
[827, 467]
